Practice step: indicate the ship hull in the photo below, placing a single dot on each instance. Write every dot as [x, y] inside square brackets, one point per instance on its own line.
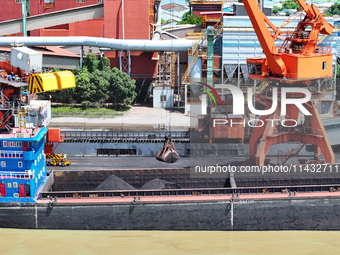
[237, 214]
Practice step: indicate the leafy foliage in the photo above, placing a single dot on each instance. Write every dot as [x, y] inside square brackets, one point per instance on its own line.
[96, 84]
[276, 9]
[290, 4]
[334, 9]
[287, 4]
[190, 19]
[121, 88]
[338, 71]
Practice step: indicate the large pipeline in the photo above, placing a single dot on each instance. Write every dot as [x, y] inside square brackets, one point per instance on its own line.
[114, 44]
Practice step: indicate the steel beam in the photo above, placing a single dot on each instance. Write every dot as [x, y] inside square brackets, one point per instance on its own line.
[53, 19]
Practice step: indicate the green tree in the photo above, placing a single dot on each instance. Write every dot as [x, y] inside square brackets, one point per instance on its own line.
[82, 92]
[334, 9]
[121, 88]
[276, 9]
[338, 71]
[104, 63]
[96, 84]
[92, 62]
[290, 4]
[190, 19]
[99, 84]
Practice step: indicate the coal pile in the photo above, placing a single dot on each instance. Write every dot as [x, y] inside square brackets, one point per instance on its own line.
[114, 183]
[159, 184]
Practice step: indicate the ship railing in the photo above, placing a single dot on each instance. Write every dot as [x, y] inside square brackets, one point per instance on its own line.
[320, 49]
[324, 49]
[28, 174]
[11, 154]
[123, 135]
[191, 192]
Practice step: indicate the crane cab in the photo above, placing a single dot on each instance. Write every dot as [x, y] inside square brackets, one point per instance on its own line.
[257, 68]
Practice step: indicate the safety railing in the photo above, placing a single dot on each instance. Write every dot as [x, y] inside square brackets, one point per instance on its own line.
[11, 154]
[132, 135]
[324, 49]
[298, 129]
[320, 49]
[28, 174]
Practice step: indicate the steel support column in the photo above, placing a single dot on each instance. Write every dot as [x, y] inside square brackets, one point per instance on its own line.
[125, 62]
[178, 81]
[81, 57]
[270, 134]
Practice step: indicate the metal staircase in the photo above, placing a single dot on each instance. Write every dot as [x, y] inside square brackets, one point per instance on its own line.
[195, 53]
[5, 119]
[173, 69]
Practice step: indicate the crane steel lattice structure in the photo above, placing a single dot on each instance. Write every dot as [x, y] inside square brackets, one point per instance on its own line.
[298, 59]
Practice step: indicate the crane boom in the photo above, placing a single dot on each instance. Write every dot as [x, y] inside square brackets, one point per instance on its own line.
[299, 57]
[258, 19]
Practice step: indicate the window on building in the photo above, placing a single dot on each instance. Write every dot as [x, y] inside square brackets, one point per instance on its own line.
[12, 144]
[18, 1]
[15, 185]
[49, 3]
[19, 144]
[80, 1]
[19, 164]
[5, 144]
[30, 144]
[163, 98]
[100, 1]
[3, 163]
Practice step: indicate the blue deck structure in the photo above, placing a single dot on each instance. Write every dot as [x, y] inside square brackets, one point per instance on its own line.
[22, 164]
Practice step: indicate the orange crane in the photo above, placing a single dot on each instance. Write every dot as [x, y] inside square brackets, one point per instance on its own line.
[299, 57]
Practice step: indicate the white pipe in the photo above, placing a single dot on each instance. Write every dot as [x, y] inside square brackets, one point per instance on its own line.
[159, 14]
[158, 30]
[114, 44]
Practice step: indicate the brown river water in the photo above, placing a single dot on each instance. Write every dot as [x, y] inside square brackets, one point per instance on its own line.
[19, 241]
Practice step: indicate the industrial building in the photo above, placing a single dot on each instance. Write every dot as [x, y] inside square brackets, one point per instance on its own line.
[234, 40]
[118, 21]
[12, 10]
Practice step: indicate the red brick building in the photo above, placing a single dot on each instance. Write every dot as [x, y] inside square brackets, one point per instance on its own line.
[138, 17]
[138, 20]
[11, 9]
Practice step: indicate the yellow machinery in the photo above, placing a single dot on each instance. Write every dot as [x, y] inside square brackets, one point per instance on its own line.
[54, 136]
[57, 160]
[43, 82]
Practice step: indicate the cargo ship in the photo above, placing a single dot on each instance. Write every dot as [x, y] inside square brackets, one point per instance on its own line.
[168, 198]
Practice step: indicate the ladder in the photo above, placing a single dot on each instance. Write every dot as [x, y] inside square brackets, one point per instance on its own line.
[22, 119]
[173, 69]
